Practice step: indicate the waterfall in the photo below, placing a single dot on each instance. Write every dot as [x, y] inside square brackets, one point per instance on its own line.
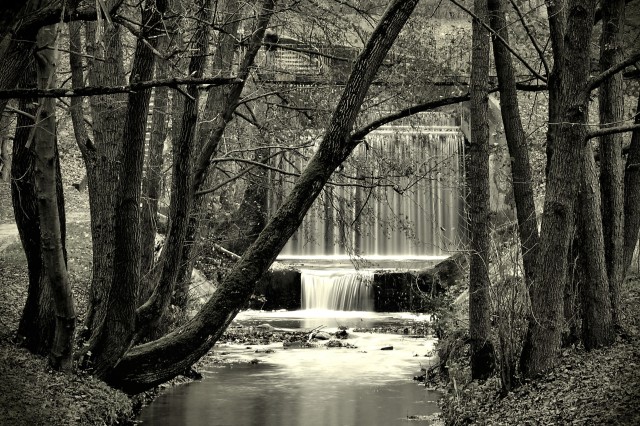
[399, 194]
[337, 290]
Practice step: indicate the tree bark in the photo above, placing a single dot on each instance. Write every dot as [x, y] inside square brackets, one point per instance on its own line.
[218, 112]
[155, 362]
[517, 144]
[632, 195]
[5, 145]
[596, 305]
[151, 312]
[152, 184]
[101, 158]
[61, 354]
[542, 343]
[116, 333]
[16, 57]
[37, 323]
[611, 104]
[482, 354]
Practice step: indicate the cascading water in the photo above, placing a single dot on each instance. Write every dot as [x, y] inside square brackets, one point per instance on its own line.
[338, 290]
[397, 196]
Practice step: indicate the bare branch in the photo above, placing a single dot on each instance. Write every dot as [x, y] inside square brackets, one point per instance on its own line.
[612, 130]
[597, 80]
[109, 90]
[536, 46]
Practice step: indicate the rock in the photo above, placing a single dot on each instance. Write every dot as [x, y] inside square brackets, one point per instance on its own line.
[265, 327]
[321, 335]
[342, 334]
[386, 348]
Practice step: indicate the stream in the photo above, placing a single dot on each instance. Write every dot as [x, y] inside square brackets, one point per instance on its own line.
[270, 385]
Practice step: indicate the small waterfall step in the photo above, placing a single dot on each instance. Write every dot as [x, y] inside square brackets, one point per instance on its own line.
[340, 290]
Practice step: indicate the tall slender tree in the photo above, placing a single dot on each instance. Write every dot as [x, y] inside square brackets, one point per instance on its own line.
[61, 354]
[478, 217]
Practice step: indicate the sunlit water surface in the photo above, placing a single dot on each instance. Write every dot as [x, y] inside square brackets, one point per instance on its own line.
[309, 386]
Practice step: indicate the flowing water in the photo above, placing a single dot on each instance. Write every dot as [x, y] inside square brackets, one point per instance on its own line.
[399, 194]
[336, 289]
[309, 386]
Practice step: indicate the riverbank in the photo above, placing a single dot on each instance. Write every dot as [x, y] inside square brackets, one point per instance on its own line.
[586, 388]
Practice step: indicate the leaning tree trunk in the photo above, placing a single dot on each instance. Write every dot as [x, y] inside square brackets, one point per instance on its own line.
[542, 343]
[155, 362]
[611, 104]
[478, 216]
[61, 354]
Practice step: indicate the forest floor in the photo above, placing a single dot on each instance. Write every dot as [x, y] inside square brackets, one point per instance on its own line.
[30, 393]
[600, 387]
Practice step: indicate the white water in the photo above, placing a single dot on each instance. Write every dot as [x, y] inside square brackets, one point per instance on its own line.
[405, 202]
[339, 290]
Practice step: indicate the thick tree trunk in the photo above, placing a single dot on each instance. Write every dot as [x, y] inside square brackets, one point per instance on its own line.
[611, 103]
[155, 362]
[16, 57]
[102, 163]
[37, 323]
[632, 195]
[517, 144]
[151, 312]
[116, 332]
[596, 306]
[482, 354]
[542, 343]
[61, 354]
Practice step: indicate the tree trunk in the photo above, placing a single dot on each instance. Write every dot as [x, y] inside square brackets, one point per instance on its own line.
[632, 195]
[16, 57]
[151, 312]
[102, 163]
[37, 323]
[611, 103]
[116, 332]
[482, 354]
[596, 306]
[152, 183]
[218, 112]
[61, 355]
[5, 145]
[517, 144]
[542, 343]
[155, 362]
[251, 216]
